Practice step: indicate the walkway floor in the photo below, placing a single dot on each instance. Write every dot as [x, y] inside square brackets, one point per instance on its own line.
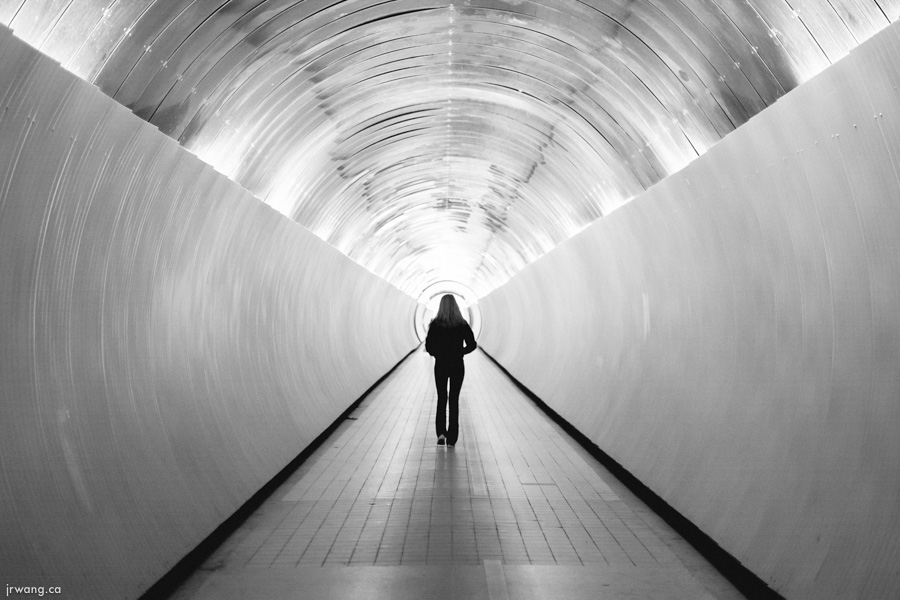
[516, 510]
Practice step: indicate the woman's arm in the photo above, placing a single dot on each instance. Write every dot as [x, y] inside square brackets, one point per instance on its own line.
[428, 343]
[469, 338]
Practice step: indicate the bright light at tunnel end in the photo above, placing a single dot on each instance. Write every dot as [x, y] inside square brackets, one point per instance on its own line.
[430, 298]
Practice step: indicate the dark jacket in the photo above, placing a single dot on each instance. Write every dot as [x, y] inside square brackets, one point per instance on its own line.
[445, 344]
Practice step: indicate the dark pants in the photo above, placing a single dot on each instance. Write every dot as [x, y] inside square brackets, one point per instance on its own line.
[443, 373]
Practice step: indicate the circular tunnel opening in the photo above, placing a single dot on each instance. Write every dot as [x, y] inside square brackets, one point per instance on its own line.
[431, 297]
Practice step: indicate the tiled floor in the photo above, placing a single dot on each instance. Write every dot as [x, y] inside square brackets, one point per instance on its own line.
[498, 516]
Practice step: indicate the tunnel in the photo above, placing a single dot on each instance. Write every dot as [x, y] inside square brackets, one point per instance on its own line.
[674, 225]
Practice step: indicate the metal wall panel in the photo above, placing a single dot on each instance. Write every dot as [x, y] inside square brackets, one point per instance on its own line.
[731, 336]
[169, 342]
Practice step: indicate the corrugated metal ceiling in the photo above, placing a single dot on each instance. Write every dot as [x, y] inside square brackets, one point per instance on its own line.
[446, 142]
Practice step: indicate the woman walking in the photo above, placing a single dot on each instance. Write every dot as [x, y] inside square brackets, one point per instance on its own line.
[449, 339]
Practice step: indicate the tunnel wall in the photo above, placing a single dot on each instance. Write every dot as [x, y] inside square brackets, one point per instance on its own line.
[732, 336]
[169, 343]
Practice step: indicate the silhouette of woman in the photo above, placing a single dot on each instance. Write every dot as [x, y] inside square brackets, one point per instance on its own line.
[449, 339]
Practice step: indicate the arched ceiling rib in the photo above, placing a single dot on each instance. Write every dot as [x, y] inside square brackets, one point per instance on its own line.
[435, 141]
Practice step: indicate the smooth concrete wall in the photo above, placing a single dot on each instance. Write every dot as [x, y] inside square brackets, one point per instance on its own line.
[169, 343]
[732, 336]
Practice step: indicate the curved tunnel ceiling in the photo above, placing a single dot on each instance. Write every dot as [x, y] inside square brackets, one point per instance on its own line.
[432, 141]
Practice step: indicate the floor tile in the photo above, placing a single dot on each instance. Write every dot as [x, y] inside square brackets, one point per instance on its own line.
[515, 493]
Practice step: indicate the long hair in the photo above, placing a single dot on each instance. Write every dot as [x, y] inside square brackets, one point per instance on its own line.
[448, 314]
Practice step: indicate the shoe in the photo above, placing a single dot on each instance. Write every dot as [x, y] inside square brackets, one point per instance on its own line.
[441, 440]
[451, 445]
